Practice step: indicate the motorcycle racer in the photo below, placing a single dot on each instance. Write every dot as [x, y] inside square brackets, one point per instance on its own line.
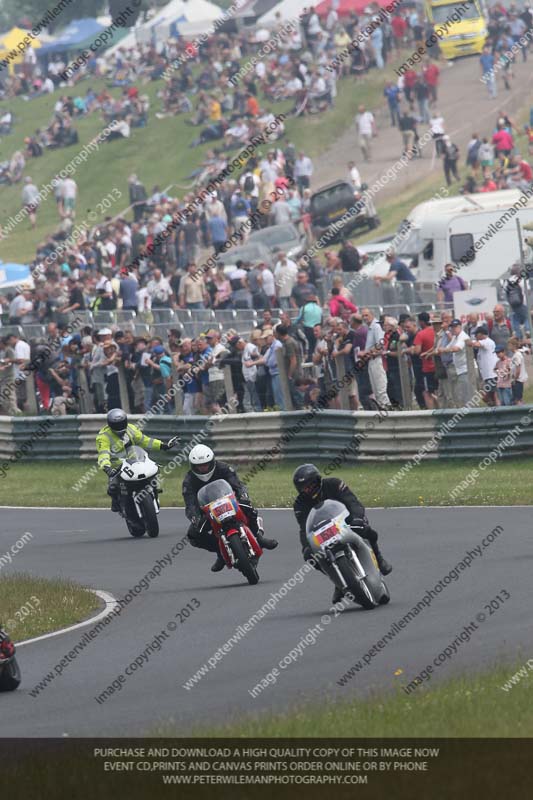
[313, 489]
[204, 468]
[111, 443]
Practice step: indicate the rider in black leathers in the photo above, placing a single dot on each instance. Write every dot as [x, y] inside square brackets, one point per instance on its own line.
[313, 489]
[199, 532]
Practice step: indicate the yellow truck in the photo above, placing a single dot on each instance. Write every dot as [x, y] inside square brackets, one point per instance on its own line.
[461, 26]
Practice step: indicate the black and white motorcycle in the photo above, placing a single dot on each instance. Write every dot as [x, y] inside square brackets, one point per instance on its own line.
[139, 490]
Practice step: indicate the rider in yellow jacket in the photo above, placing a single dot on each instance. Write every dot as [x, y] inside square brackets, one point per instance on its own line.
[111, 442]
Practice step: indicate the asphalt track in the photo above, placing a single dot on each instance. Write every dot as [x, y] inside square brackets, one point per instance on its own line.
[92, 547]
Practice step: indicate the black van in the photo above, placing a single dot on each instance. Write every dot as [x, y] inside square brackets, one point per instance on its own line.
[331, 202]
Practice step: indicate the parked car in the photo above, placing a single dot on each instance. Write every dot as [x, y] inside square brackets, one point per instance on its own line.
[251, 253]
[281, 237]
[330, 203]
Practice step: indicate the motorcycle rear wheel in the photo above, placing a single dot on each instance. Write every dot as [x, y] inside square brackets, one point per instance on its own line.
[10, 676]
[242, 559]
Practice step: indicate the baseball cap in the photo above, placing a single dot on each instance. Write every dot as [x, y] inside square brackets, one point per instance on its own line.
[482, 329]
[403, 317]
[158, 350]
[455, 322]
[500, 348]
[105, 332]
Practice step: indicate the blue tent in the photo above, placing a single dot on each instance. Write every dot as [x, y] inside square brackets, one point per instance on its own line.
[79, 34]
[14, 275]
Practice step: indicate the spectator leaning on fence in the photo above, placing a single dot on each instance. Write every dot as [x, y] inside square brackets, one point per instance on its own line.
[461, 387]
[373, 352]
[444, 368]
[269, 359]
[499, 327]
[486, 360]
[519, 374]
[398, 269]
[423, 345]
[391, 345]
[250, 355]
[503, 376]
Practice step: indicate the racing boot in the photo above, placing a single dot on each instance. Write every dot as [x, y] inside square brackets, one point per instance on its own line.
[266, 544]
[115, 504]
[383, 564]
[338, 594]
[219, 564]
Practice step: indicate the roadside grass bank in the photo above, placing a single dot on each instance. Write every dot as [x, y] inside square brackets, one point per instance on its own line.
[462, 707]
[507, 482]
[31, 606]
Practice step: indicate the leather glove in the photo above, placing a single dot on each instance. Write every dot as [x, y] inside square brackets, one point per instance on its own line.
[307, 553]
[111, 471]
[171, 443]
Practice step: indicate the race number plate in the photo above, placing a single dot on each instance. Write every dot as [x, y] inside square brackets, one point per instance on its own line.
[326, 533]
[222, 509]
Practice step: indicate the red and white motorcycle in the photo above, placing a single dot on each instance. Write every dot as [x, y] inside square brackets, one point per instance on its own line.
[238, 546]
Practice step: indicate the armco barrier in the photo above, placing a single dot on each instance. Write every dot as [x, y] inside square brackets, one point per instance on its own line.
[481, 430]
[50, 438]
[7, 444]
[298, 435]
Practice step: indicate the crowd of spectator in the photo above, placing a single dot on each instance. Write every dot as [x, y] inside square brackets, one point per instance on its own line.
[130, 265]
[319, 354]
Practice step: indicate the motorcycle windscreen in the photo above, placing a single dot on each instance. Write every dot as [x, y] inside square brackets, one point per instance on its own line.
[328, 511]
[213, 491]
[218, 500]
[135, 454]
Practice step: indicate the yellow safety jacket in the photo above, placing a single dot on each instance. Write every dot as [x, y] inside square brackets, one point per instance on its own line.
[110, 446]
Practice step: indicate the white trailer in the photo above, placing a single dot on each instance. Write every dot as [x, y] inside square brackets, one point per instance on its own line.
[477, 233]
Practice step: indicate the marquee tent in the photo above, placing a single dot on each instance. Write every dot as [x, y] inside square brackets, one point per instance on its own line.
[10, 40]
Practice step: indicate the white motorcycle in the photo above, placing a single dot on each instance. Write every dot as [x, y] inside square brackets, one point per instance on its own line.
[138, 492]
[344, 555]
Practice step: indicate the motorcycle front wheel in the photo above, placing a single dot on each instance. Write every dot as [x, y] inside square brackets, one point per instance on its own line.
[10, 676]
[242, 560]
[150, 516]
[358, 588]
[136, 529]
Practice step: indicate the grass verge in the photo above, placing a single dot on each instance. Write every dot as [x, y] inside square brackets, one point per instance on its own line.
[505, 483]
[463, 707]
[32, 606]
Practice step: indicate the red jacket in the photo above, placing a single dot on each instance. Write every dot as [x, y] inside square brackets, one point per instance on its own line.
[339, 305]
[399, 26]
[431, 74]
[410, 78]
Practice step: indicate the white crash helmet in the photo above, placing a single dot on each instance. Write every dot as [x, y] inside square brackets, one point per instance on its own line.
[202, 462]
